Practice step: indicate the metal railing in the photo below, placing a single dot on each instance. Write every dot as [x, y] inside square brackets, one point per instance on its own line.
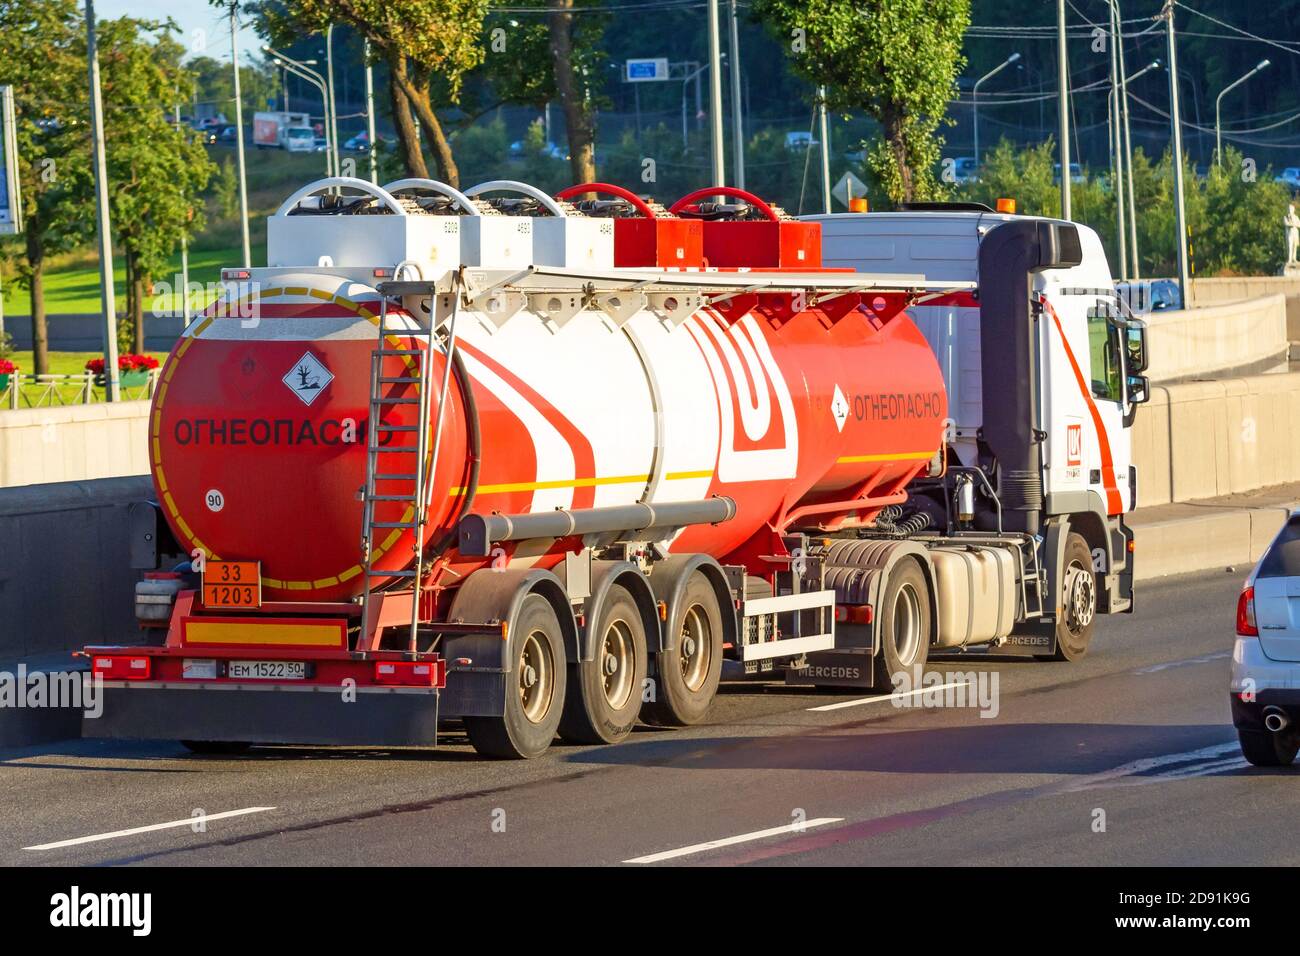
[52, 391]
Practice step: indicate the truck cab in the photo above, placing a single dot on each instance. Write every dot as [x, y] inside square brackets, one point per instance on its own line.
[1065, 395]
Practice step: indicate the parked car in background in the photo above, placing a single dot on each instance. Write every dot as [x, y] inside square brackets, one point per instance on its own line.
[799, 140]
[320, 145]
[1264, 688]
[358, 143]
[229, 135]
[1076, 173]
[1150, 295]
[1290, 178]
[964, 169]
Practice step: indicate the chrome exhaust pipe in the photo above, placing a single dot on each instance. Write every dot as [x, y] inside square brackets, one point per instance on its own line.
[1275, 719]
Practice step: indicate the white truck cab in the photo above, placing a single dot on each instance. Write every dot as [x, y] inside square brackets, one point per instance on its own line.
[1042, 397]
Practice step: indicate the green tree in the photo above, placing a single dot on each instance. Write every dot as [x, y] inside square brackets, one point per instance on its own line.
[227, 190]
[428, 45]
[43, 56]
[156, 171]
[894, 60]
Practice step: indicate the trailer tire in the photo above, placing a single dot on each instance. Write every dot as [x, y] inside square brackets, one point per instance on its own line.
[535, 685]
[604, 695]
[905, 627]
[225, 747]
[1078, 617]
[686, 677]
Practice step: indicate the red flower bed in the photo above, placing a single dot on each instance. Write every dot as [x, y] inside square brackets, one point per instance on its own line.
[7, 367]
[125, 363]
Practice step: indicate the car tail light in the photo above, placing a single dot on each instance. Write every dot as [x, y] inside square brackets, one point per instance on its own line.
[120, 668]
[1246, 626]
[410, 673]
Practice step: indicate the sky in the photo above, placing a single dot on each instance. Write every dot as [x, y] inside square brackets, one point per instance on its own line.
[205, 28]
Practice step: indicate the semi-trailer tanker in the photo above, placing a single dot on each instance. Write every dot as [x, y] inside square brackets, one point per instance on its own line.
[553, 465]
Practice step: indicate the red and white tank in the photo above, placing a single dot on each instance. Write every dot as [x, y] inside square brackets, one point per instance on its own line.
[259, 425]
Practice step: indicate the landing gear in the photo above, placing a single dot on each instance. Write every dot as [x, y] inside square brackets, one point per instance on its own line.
[535, 687]
[604, 695]
[686, 677]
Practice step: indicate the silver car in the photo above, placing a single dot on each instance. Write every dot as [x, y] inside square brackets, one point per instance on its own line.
[1265, 686]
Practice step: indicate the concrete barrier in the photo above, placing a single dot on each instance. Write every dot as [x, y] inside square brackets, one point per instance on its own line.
[65, 574]
[1244, 337]
[84, 332]
[73, 443]
[1211, 291]
[1210, 439]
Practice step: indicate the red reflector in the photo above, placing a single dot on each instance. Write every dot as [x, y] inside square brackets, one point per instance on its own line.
[410, 673]
[854, 613]
[121, 668]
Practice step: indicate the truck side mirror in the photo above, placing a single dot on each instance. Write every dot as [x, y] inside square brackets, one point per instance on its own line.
[1138, 388]
[1135, 343]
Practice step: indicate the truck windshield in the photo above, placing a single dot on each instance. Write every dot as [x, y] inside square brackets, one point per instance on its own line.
[300, 134]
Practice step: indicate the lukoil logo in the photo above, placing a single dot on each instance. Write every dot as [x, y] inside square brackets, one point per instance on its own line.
[76, 909]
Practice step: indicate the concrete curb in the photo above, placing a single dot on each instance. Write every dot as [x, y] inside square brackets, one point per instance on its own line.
[1218, 538]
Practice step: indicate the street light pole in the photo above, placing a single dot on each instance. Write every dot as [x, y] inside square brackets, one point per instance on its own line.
[737, 119]
[826, 150]
[1175, 120]
[1063, 101]
[1117, 141]
[1218, 101]
[108, 296]
[370, 118]
[239, 134]
[715, 96]
[332, 120]
[975, 100]
[1136, 271]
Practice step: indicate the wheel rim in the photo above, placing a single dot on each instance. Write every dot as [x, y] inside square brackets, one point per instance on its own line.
[536, 676]
[907, 624]
[1081, 597]
[617, 659]
[695, 647]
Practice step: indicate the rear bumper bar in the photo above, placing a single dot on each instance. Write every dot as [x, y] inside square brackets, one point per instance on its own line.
[158, 710]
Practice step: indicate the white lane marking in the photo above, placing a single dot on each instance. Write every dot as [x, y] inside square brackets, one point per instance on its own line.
[732, 841]
[874, 700]
[188, 821]
[1207, 658]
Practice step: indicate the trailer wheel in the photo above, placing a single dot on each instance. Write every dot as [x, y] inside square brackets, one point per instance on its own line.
[604, 695]
[215, 746]
[534, 687]
[1078, 602]
[904, 627]
[686, 678]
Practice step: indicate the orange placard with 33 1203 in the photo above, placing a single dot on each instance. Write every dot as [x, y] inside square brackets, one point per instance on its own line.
[232, 585]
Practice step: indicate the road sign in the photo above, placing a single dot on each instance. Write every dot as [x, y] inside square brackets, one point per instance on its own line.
[11, 207]
[650, 70]
[849, 187]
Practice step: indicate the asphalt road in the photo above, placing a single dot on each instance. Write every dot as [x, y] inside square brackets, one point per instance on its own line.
[1125, 758]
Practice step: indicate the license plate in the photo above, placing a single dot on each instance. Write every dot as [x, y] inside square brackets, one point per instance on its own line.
[232, 585]
[266, 670]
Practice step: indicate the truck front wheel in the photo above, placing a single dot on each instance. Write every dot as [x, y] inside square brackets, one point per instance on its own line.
[604, 695]
[1078, 612]
[686, 677]
[535, 686]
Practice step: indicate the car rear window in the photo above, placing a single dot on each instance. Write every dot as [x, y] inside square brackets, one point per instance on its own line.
[1283, 557]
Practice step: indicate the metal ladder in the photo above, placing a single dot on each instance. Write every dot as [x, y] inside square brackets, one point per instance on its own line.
[418, 480]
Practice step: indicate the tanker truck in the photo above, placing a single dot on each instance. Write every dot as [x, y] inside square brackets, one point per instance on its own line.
[546, 466]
